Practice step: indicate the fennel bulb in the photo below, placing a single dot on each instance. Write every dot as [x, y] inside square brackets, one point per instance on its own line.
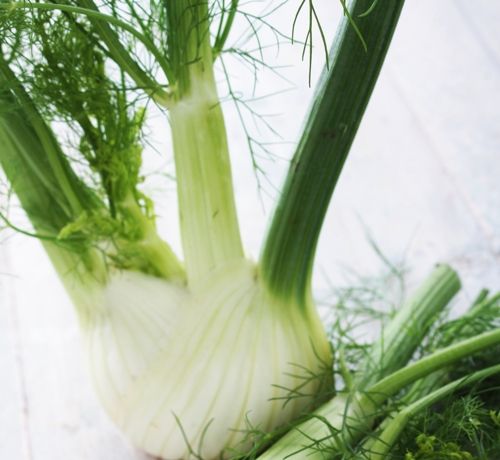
[180, 370]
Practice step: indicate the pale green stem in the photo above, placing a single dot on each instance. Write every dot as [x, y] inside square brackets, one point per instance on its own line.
[405, 332]
[158, 256]
[209, 225]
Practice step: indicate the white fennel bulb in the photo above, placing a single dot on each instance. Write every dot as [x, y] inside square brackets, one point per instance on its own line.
[184, 371]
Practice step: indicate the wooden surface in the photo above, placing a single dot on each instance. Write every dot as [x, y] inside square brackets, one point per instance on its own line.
[424, 177]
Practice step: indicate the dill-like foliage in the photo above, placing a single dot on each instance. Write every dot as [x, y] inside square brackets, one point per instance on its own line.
[466, 424]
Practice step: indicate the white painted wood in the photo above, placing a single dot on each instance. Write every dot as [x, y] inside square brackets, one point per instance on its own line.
[14, 417]
[422, 176]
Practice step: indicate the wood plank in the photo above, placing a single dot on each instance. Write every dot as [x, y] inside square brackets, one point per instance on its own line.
[14, 410]
[453, 89]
